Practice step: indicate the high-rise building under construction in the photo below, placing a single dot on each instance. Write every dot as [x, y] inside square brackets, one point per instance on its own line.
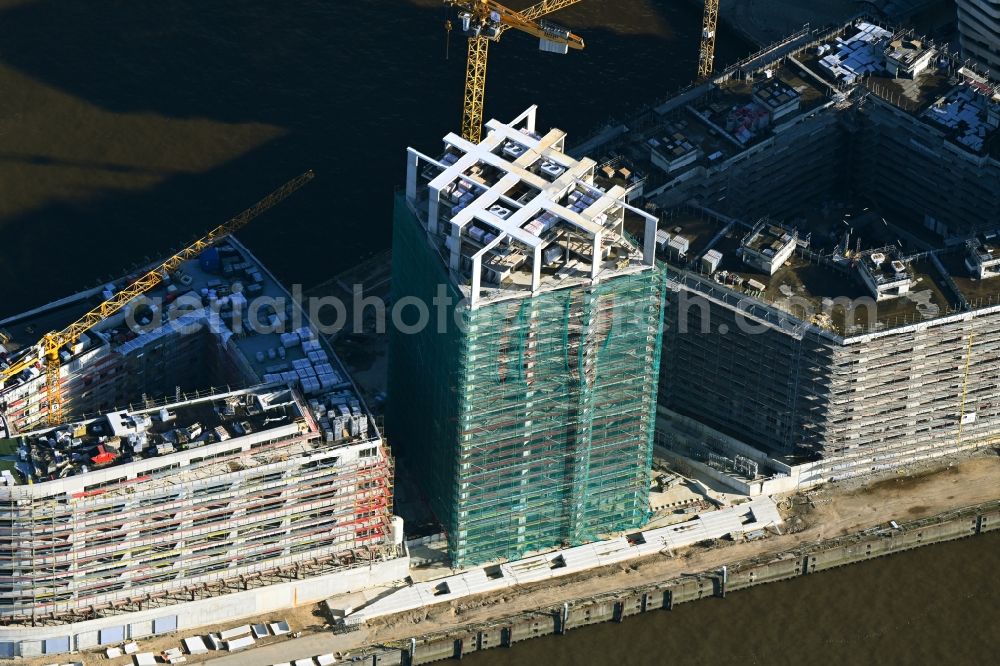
[525, 405]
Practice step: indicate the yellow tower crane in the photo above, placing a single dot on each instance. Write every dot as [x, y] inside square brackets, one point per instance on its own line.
[706, 57]
[47, 350]
[485, 21]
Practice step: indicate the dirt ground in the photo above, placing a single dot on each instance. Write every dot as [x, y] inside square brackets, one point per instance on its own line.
[830, 511]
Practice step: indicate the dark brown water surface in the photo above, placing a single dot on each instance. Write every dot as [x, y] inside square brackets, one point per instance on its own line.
[130, 127]
[935, 605]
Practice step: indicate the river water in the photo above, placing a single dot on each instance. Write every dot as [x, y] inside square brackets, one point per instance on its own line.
[935, 605]
[128, 128]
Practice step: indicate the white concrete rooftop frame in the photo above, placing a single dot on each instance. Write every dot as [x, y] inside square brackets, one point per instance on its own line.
[533, 180]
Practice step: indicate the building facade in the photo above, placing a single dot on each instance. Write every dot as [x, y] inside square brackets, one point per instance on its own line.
[266, 492]
[529, 418]
[850, 405]
[164, 504]
[979, 30]
[830, 215]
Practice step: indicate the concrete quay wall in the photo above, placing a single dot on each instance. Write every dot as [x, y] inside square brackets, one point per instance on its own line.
[615, 607]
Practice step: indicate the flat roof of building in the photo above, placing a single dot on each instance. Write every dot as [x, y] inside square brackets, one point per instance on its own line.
[963, 113]
[776, 93]
[768, 235]
[817, 279]
[697, 228]
[885, 266]
[805, 289]
[946, 94]
[122, 437]
[726, 118]
[733, 102]
[262, 334]
[907, 52]
[712, 145]
[272, 335]
[169, 431]
[722, 119]
[618, 171]
[977, 292]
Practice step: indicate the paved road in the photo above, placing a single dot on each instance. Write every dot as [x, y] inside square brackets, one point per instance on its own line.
[294, 648]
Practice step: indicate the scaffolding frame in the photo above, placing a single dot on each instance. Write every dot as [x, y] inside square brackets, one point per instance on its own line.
[282, 504]
[855, 406]
[531, 424]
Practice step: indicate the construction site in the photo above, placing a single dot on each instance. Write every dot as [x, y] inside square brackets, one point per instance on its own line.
[786, 275]
[529, 417]
[155, 502]
[829, 213]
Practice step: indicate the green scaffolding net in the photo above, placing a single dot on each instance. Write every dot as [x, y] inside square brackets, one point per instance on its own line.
[527, 422]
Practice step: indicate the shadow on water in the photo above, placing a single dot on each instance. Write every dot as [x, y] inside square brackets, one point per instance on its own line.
[129, 127]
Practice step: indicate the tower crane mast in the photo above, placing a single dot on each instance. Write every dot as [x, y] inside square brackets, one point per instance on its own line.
[706, 56]
[485, 21]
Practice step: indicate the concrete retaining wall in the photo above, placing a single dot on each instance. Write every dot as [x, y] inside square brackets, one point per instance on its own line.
[741, 575]
[30, 641]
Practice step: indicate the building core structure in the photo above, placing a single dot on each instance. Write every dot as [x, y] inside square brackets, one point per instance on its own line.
[526, 407]
[164, 504]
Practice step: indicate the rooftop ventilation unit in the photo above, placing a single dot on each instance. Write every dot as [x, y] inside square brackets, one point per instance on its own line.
[552, 169]
[899, 267]
[662, 238]
[878, 259]
[513, 150]
[559, 42]
[552, 254]
[548, 220]
[500, 211]
[535, 227]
